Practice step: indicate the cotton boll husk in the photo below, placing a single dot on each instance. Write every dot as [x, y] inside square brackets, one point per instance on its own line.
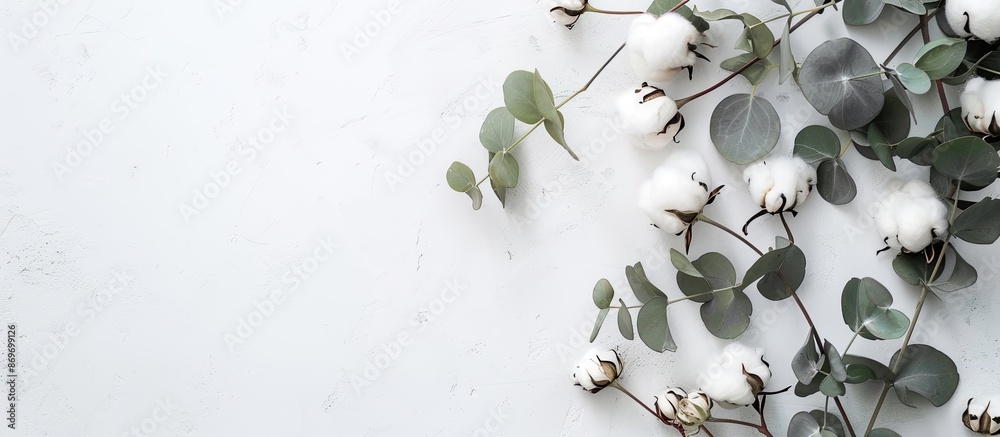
[648, 121]
[590, 372]
[770, 179]
[980, 406]
[660, 47]
[983, 19]
[980, 103]
[560, 15]
[680, 184]
[911, 216]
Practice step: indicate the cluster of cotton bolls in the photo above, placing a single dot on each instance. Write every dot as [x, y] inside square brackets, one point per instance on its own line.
[737, 376]
[974, 18]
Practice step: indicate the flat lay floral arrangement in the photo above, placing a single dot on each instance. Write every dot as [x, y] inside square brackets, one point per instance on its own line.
[923, 224]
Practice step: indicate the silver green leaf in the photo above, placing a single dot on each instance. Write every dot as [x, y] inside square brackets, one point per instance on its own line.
[652, 325]
[461, 178]
[940, 57]
[804, 424]
[625, 321]
[913, 78]
[979, 223]
[744, 128]
[865, 305]
[497, 132]
[755, 73]
[519, 97]
[641, 287]
[927, 372]
[967, 159]
[604, 293]
[841, 80]
[603, 314]
[862, 12]
[787, 64]
[504, 170]
[834, 183]
[816, 143]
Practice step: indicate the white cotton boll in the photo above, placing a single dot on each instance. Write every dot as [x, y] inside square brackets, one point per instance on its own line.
[649, 116]
[597, 369]
[780, 183]
[981, 415]
[679, 186]
[737, 375]
[660, 47]
[566, 12]
[912, 216]
[974, 17]
[980, 104]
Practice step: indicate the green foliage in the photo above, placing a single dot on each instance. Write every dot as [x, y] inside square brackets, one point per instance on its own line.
[604, 293]
[835, 183]
[497, 132]
[940, 57]
[980, 223]
[816, 144]
[625, 321]
[654, 330]
[744, 128]
[967, 159]
[460, 178]
[755, 73]
[504, 170]
[865, 304]
[806, 424]
[862, 12]
[841, 80]
[927, 372]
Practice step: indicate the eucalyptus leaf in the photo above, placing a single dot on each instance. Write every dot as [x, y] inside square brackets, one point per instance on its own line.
[804, 424]
[980, 223]
[727, 315]
[501, 192]
[894, 118]
[913, 268]
[806, 363]
[883, 432]
[497, 132]
[865, 306]
[862, 12]
[832, 422]
[837, 369]
[683, 264]
[881, 146]
[519, 96]
[956, 273]
[744, 128]
[652, 325]
[834, 183]
[759, 36]
[841, 80]
[913, 146]
[755, 73]
[787, 64]
[461, 178]
[714, 272]
[787, 278]
[625, 321]
[544, 99]
[940, 57]
[913, 78]
[601, 315]
[881, 371]
[604, 293]
[915, 7]
[967, 159]
[641, 287]
[504, 170]
[927, 372]
[831, 387]
[816, 143]
[899, 92]
[555, 127]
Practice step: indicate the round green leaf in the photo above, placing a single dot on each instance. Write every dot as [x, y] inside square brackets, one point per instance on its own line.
[979, 223]
[915, 7]
[727, 315]
[603, 293]
[816, 143]
[804, 424]
[641, 287]
[940, 57]
[519, 96]
[744, 128]
[927, 372]
[862, 12]
[841, 80]
[883, 432]
[497, 132]
[913, 78]
[967, 159]
[865, 305]
[834, 183]
[793, 272]
[504, 170]
[806, 363]
[894, 118]
[460, 177]
[653, 327]
[756, 35]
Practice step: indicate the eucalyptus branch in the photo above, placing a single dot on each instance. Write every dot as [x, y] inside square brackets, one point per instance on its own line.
[682, 102]
[795, 296]
[924, 292]
[590, 8]
[909, 36]
[760, 428]
[793, 14]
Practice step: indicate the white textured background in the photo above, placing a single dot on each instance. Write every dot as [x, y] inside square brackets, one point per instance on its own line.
[154, 354]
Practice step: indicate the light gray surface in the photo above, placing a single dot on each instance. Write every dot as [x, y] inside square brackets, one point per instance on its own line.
[502, 345]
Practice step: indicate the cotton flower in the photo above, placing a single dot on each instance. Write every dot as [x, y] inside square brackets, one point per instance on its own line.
[661, 47]
[980, 102]
[912, 216]
[566, 12]
[677, 192]
[737, 375]
[597, 370]
[983, 415]
[977, 18]
[779, 184]
[650, 116]
[690, 410]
